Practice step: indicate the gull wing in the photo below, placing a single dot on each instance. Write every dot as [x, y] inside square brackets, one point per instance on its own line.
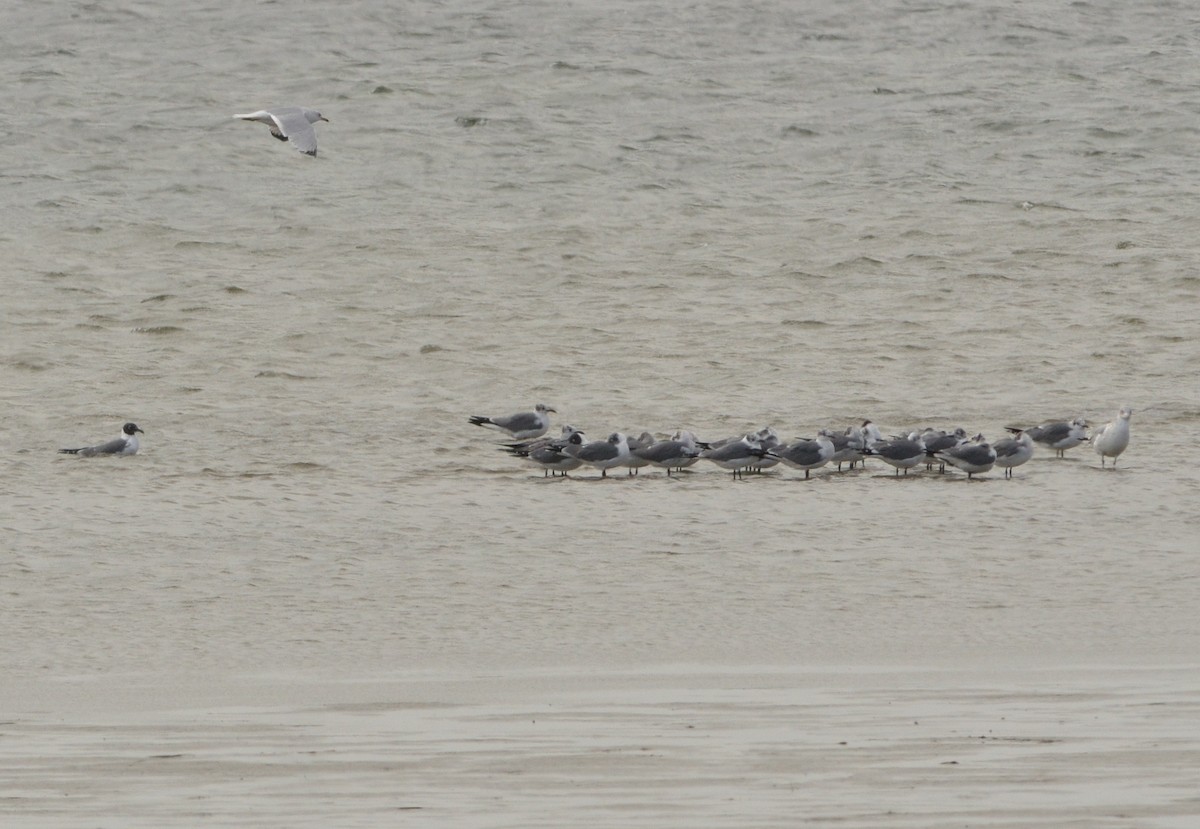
[291, 123]
[113, 447]
[523, 422]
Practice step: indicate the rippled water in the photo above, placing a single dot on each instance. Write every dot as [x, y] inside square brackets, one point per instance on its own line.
[651, 216]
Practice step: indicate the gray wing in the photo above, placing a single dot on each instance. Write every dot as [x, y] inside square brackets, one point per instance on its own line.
[113, 447]
[522, 422]
[1050, 433]
[803, 453]
[729, 452]
[293, 124]
[974, 454]
[1006, 447]
[941, 442]
[661, 452]
[547, 454]
[839, 442]
[899, 450]
[604, 451]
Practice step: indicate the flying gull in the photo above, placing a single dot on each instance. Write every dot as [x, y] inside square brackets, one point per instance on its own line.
[290, 124]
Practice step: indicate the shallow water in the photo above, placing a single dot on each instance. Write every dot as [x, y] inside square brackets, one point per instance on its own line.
[650, 216]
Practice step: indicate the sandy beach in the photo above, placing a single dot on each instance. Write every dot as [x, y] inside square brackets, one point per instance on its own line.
[1085, 746]
[318, 597]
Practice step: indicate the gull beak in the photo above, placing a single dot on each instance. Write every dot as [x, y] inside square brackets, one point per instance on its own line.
[139, 430]
[323, 118]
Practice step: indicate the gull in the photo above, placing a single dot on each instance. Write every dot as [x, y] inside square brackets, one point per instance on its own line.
[871, 433]
[290, 124]
[676, 453]
[902, 453]
[126, 443]
[768, 439]
[936, 441]
[524, 447]
[550, 453]
[847, 446]
[521, 426]
[736, 455]
[1059, 436]
[604, 454]
[1111, 441]
[970, 457]
[636, 461]
[554, 459]
[806, 454]
[688, 438]
[1013, 451]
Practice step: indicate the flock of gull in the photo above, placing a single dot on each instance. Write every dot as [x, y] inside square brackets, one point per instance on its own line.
[761, 450]
[757, 451]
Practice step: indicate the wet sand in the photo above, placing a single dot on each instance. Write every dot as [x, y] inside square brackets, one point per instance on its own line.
[677, 746]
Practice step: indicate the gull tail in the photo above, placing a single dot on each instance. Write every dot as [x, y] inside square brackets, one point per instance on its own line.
[69, 451]
[480, 421]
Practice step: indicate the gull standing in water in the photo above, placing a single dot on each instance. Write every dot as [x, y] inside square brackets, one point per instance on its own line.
[970, 457]
[126, 443]
[847, 446]
[636, 461]
[871, 433]
[522, 448]
[736, 455]
[1059, 436]
[902, 453]
[554, 459]
[292, 124]
[551, 453]
[805, 454]
[603, 454]
[1013, 451]
[1111, 441]
[936, 441]
[676, 453]
[521, 426]
[768, 439]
